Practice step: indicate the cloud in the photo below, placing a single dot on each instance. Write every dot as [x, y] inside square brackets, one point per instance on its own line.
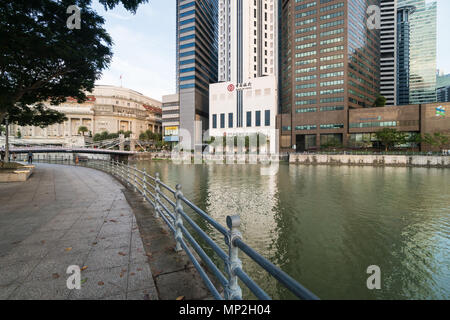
[144, 52]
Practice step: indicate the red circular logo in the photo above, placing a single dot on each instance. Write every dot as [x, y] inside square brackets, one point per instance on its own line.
[231, 87]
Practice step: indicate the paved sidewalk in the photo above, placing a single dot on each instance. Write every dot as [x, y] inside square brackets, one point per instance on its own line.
[66, 216]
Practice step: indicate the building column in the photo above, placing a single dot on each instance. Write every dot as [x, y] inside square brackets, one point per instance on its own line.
[70, 127]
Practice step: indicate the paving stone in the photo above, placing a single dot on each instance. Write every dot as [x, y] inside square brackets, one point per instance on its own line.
[143, 294]
[108, 258]
[56, 266]
[54, 289]
[16, 273]
[139, 277]
[6, 291]
[101, 283]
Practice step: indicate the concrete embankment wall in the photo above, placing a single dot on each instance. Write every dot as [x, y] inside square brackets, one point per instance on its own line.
[371, 160]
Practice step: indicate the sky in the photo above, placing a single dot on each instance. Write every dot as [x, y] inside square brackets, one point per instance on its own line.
[144, 46]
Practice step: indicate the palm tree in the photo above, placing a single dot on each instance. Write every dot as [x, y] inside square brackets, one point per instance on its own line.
[82, 130]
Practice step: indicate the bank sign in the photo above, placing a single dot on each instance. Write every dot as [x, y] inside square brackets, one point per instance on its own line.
[239, 86]
[440, 111]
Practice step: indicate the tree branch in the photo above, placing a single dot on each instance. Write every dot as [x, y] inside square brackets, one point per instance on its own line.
[38, 84]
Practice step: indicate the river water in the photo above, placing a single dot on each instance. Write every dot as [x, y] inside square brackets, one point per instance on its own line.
[325, 225]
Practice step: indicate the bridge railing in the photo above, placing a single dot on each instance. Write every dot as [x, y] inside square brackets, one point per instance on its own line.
[169, 205]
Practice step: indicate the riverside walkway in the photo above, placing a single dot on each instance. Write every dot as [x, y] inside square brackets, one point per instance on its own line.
[65, 215]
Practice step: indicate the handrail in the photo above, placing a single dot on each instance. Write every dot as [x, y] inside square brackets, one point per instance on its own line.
[139, 181]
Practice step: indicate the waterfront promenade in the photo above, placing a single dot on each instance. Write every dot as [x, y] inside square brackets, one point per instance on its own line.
[66, 216]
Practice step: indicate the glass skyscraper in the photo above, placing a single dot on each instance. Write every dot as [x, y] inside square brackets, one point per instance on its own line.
[329, 63]
[403, 53]
[423, 35]
[197, 41]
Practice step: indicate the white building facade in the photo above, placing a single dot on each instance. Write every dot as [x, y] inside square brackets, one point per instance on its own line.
[245, 102]
[248, 39]
[260, 101]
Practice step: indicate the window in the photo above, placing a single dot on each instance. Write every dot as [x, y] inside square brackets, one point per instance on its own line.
[249, 118]
[222, 120]
[214, 121]
[258, 119]
[267, 118]
[230, 120]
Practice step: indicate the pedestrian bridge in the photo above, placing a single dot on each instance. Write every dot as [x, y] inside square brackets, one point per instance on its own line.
[41, 149]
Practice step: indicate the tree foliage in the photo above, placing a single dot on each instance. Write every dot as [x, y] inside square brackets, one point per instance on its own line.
[150, 136]
[380, 102]
[437, 140]
[43, 60]
[83, 130]
[390, 137]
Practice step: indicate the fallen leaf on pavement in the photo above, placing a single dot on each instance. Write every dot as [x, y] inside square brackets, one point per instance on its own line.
[180, 298]
[157, 273]
[112, 220]
[68, 249]
[83, 281]
[122, 253]
[84, 268]
[100, 283]
[55, 276]
[132, 274]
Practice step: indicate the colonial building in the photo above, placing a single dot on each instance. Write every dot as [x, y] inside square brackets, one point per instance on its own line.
[108, 108]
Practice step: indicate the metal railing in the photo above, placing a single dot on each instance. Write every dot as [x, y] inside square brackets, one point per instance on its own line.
[169, 205]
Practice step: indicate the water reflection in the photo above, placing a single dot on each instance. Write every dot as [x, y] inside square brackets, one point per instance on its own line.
[325, 225]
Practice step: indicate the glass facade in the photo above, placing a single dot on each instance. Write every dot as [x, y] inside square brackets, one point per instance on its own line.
[423, 35]
[196, 45]
[403, 53]
[329, 61]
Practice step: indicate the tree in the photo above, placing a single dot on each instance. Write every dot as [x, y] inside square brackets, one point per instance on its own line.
[143, 136]
[380, 102]
[437, 140]
[82, 130]
[41, 59]
[19, 134]
[390, 137]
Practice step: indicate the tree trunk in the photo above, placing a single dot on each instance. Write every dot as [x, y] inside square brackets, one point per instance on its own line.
[7, 142]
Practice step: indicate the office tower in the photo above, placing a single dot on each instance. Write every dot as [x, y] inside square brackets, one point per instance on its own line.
[403, 53]
[245, 101]
[197, 39]
[330, 61]
[247, 39]
[443, 94]
[423, 33]
[388, 51]
[443, 87]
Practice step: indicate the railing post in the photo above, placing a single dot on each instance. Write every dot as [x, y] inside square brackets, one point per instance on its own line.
[157, 191]
[178, 218]
[233, 291]
[145, 184]
[135, 178]
[128, 174]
